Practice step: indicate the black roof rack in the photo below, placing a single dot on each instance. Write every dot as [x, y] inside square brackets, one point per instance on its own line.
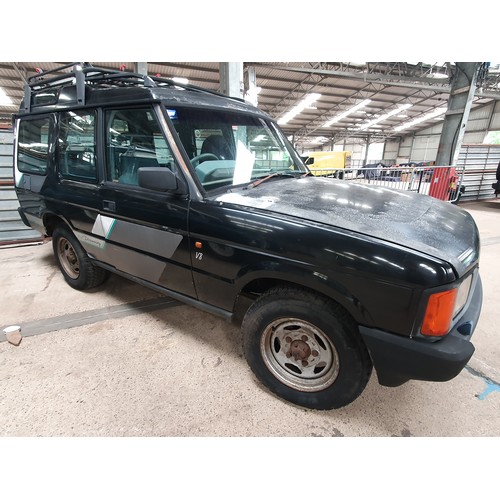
[84, 75]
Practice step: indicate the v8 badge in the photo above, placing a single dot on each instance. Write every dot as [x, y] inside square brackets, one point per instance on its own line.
[199, 246]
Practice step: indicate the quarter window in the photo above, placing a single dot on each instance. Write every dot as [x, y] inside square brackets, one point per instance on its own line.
[33, 146]
[77, 147]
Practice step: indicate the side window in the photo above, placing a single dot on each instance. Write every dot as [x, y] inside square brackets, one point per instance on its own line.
[33, 146]
[77, 146]
[134, 140]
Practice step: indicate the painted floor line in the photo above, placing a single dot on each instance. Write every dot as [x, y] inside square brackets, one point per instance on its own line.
[493, 240]
[491, 385]
[65, 321]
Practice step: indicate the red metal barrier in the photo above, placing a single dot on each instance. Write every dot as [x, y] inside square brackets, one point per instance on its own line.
[443, 183]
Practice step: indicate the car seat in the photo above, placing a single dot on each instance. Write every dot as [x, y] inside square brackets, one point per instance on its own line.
[217, 145]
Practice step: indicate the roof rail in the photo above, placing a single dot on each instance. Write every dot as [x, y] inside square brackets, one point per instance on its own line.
[84, 74]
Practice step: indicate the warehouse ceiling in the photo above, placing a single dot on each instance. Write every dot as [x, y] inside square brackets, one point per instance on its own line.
[355, 101]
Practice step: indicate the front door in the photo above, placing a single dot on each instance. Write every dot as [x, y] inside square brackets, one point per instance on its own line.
[140, 231]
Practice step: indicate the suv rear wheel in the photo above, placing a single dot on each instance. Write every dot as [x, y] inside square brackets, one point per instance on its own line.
[305, 348]
[73, 261]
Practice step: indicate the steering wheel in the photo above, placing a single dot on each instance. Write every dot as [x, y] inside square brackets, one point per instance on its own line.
[203, 157]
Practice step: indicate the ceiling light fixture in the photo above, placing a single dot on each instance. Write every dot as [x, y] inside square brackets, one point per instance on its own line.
[5, 100]
[373, 122]
[439, 75]
[347, 112]
[305, 103]
[180, 79]
[433, 114]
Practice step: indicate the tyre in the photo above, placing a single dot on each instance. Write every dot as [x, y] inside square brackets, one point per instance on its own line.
[305, 349]
[73, 261]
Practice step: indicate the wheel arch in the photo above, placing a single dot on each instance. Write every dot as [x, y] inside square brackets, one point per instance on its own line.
[51, 221]
[259, 285]
[72, 258]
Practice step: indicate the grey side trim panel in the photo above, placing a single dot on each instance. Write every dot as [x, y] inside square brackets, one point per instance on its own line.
[227, 315]
[154, 241]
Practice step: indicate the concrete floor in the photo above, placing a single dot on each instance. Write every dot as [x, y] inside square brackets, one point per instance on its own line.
[92, 364]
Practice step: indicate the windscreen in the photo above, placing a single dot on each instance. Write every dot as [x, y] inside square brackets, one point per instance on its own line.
[228, 149]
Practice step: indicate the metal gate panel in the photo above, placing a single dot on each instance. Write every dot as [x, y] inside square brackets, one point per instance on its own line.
[12, 228]
[480, 162]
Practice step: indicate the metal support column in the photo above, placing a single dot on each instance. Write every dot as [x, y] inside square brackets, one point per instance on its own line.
[463, 88]
[251, 90]
[231, 78]
[141, 68]
[366, 150]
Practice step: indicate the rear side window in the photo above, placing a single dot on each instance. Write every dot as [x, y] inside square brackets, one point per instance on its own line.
[76, 146]
[33, 146]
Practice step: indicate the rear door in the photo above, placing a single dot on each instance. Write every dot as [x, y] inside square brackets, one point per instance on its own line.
[34, 165]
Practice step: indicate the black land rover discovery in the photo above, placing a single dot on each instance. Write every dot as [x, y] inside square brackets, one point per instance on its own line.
[201, 196]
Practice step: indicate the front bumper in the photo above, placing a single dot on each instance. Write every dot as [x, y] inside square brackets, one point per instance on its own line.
[399, 359]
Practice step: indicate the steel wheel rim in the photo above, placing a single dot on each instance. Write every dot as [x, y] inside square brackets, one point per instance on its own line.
[299, 354]
[68, 258]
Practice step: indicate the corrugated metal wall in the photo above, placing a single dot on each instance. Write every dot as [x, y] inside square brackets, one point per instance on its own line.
[426, 142]
[405, 148]
[425, 148]
[12, 229]
[495, 119]
[390, 151]
[480, 162]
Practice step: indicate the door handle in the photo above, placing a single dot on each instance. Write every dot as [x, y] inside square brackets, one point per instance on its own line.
[109, 206]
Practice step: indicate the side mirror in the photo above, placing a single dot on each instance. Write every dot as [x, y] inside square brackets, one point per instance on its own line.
[160, 179]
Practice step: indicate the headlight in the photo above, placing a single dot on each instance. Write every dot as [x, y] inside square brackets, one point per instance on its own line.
[462, 295]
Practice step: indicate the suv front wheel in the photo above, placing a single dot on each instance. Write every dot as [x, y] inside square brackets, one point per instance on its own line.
[305, 348]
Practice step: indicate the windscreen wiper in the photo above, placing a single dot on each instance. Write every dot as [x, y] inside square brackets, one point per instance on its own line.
[270, 176]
